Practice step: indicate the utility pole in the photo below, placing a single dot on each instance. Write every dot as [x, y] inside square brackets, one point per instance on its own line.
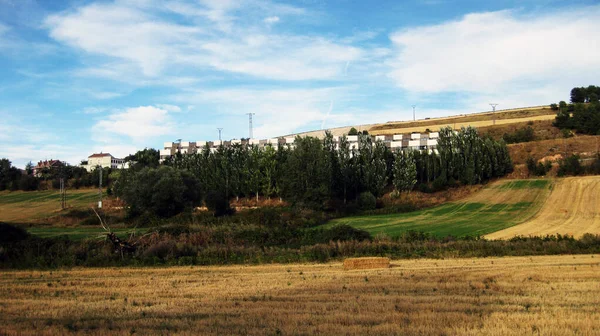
[63, 192]
[100, 188]
[220, 129]
[250, 123]
[414, 115]
[493, 105]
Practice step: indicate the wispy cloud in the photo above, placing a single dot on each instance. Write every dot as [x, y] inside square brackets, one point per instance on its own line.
[139, 36]
[137, 123]
[500, 53]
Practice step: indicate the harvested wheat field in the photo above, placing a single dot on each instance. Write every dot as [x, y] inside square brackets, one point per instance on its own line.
[549, 295]
[573, 208]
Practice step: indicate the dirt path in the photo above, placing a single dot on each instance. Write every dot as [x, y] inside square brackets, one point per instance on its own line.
[572, 208]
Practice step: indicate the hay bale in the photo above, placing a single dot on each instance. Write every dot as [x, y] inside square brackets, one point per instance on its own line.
[366, 263]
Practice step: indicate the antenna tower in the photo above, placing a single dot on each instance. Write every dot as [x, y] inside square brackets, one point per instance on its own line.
[493, 105]
[250, 123]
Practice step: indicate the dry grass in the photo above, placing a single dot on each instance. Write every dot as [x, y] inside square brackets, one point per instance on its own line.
[571, 208]
[586, 146]
[481, 119]
[455, 124]
[366, 263]
[556, 295]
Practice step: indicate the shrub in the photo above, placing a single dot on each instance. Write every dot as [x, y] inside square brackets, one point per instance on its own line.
[345, 232]
[570, 166]
[366, 201]
[10, 233]
[521, 135]
[554, 107]
[218, 204]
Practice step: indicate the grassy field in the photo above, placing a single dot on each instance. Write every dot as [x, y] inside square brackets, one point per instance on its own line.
[21, 207]
[496, 207]
[78, 233]
[572, 208]
[556, 295]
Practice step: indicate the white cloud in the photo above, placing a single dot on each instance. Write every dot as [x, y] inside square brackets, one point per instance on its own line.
[95, 109]
[153, 43]
[499, 52]
[278, 111]
[120, 31]
[271, 19]
[138, 123]
[168, 107]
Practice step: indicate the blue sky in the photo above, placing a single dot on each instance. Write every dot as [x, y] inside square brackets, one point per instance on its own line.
[80, 76]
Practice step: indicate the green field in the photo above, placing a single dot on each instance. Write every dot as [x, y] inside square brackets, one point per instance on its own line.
[25, 207]
[496, 207]
[78, 233]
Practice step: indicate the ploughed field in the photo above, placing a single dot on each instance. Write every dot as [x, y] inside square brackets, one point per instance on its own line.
[548, 295]
[500, 205]
[573, 208]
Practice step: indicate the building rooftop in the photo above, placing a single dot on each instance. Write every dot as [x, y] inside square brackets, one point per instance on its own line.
[99, 155]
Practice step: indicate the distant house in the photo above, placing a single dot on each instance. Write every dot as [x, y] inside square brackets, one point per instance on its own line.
[104, 160]
[46, 165]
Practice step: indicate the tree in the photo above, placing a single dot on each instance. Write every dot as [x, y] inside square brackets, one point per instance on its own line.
[578, 95]
[307, 176]
[405, 171]
[163, 191]
[353, 131]
[147, 157]
[29, 168]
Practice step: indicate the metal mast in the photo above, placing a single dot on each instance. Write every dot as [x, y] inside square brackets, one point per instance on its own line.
[250, 123]
[493, 105]
[220, 129]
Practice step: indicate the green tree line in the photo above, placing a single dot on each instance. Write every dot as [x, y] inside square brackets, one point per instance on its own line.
[313, 173]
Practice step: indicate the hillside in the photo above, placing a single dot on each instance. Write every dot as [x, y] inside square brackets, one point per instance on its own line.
[480, 120]
[498, 206]
[20, 207]
[571, 208]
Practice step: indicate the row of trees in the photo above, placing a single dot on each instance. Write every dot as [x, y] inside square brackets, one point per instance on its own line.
[316, 171]
[583, 114]
[588, 94]
[13, 178]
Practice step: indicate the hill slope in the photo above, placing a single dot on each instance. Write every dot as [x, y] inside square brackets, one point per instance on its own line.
[572, 208]
[481, 119]
[500, 205]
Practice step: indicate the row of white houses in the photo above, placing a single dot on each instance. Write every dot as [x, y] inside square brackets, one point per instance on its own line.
[416, 141]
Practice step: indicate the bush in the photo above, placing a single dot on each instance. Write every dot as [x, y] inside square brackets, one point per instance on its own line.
[366, 201]
[345, 232]
[570, 166]
[10, 233]
[554, 107]
[28, 183]
[521, 135]
[218, 204]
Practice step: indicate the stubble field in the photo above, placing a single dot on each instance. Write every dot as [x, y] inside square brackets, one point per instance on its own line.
[571, 209]
[555, 295]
